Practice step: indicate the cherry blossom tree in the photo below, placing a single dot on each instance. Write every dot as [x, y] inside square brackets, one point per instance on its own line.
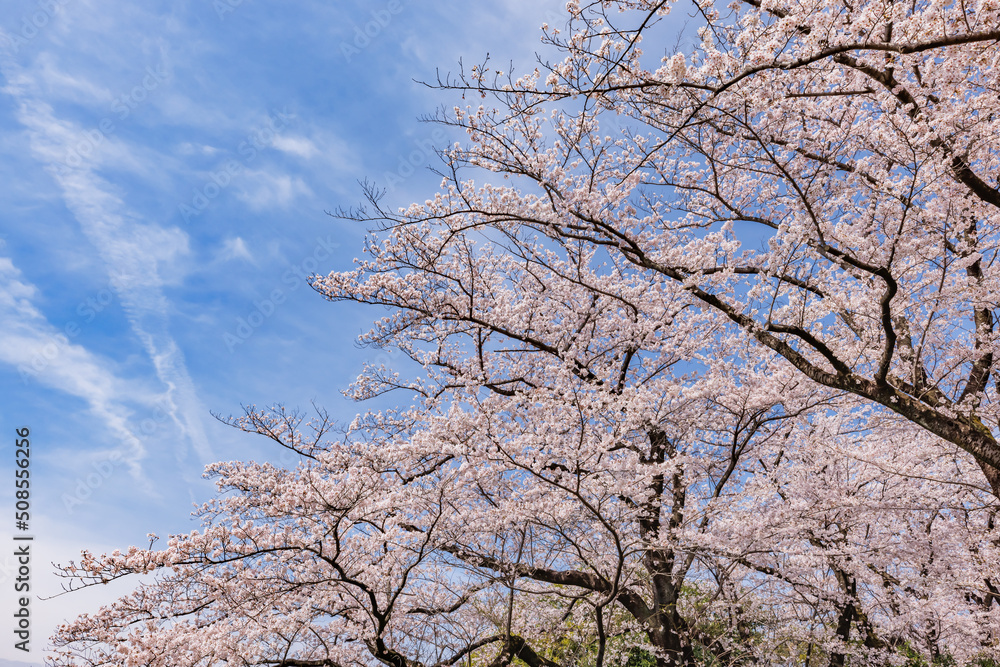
[702, 373]
[865, 547]
[526, 508]
[854, 143]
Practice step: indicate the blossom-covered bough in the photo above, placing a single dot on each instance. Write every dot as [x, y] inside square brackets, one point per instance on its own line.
[714, 386]
[855, 141]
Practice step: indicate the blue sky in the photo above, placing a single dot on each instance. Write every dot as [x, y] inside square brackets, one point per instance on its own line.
[165, 172]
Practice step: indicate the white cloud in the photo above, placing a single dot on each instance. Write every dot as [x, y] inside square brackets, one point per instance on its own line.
[135, 252]
[296, 146]
[43, 353]
[267, 190]
[187, 148]
[59, 85]
[236, 248]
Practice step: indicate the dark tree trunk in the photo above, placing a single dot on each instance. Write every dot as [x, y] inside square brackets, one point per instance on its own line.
[848, 613]
[665, 627]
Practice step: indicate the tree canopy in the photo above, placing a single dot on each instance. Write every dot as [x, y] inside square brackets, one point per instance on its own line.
[704, 348]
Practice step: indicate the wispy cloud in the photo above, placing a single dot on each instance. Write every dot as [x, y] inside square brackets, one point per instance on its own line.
[169, 168]
[299, 146]
[42, 352]
[134, 250]
[264, 189]
[236, 248]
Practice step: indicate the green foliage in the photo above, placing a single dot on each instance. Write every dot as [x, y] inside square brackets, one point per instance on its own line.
[915, 659]
[639, 657]
[722, 635]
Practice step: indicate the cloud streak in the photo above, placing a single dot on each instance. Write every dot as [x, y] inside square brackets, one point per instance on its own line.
[39, 350]
[134, 251]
